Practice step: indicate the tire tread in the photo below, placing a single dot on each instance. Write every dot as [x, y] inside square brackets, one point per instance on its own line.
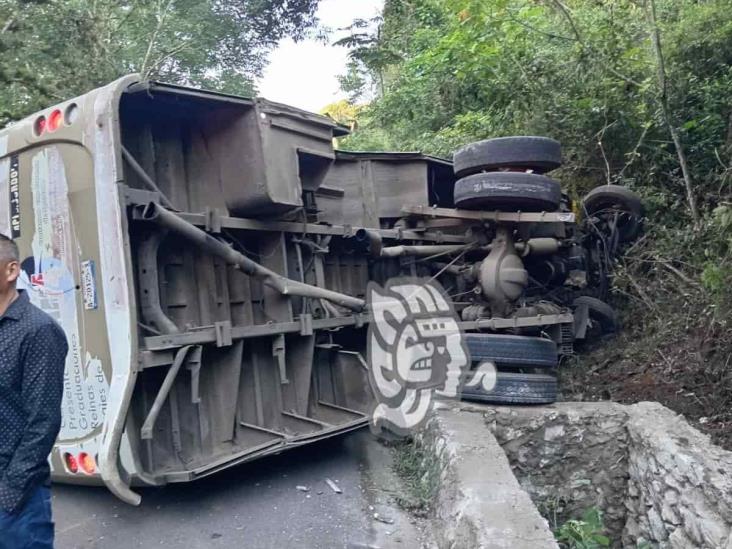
[541, 154]
[508, 191]
[512, 350]
[514, 388]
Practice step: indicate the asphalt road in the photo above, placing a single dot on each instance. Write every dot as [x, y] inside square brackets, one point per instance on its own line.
[256, 505]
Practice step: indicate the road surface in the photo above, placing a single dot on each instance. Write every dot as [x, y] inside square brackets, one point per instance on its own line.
[254, 506]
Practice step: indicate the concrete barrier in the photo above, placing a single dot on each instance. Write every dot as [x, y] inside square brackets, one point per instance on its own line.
[657, 481]
[480, 504]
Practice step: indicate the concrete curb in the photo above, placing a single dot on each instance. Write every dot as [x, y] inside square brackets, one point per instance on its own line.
[480, 504]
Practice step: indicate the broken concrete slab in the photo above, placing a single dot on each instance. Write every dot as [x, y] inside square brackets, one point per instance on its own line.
[480, 503]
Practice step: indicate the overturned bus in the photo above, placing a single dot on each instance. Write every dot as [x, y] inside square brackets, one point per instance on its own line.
[208, 256]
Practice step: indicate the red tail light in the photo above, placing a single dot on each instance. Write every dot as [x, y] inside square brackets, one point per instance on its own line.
[88, 465]
[40, 126]
[71, 463]
[55, 120]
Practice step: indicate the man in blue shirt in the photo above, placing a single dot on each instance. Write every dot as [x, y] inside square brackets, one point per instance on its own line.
[32, 355]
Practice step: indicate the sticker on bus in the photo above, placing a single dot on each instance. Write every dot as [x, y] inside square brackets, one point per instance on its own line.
[89, 285]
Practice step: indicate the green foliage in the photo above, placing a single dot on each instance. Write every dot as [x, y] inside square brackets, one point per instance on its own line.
[586, 533]
[453, 71]
[420, 471]
[717, 274]
[55, 49]
[714, 277]
[583, 72]
[448, 72]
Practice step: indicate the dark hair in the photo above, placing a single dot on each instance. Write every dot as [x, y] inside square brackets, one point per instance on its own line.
[8, 249]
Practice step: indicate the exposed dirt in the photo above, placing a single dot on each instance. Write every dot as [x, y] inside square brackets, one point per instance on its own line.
[685, 366]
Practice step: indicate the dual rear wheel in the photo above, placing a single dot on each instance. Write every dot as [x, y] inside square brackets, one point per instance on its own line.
[508, 369]
[507, 174]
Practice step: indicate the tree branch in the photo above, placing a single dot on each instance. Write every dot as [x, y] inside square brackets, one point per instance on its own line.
[144, 68]
[540, 31]
[568, 16]
[599, 136]
[154, 67]
[9, 23]
[666, 111]
[634, 153]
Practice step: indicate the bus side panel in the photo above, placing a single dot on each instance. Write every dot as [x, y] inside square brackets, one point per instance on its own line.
[118, 459]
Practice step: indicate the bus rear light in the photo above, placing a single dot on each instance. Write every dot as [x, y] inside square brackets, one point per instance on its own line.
[55, 120]
[88, 465]
[71, 464]
[71, 114]
[40, 126]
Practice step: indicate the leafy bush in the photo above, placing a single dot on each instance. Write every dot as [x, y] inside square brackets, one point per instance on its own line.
[586, 533]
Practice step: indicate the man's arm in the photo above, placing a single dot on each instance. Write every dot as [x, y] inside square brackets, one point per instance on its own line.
[42, 389]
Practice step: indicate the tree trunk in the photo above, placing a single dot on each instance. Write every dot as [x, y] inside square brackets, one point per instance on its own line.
[666, 111]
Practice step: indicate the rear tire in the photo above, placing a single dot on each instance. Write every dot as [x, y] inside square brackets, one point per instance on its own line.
[508, 191]
[539, 154]
[513, 388]
[512, 350]
[602, 314]
[608, 200]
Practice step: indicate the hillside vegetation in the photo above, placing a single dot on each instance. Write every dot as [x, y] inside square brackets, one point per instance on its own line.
[640, 94]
